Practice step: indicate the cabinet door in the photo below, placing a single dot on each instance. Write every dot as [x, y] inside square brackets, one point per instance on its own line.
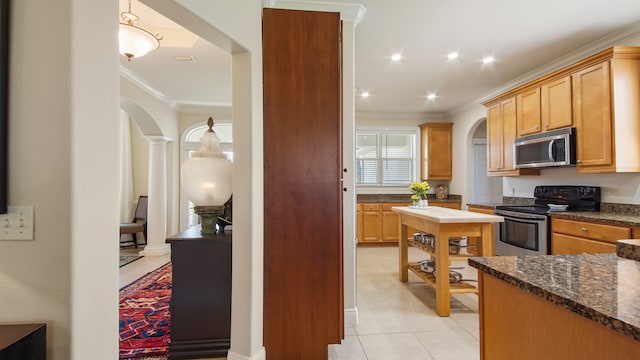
[371, 222]
[565, 244]
[528, 112]
[494, 138]
[435, 156]
[390, 223]
[359, 221]
[508, 115]
[556, 104]
[592, 113]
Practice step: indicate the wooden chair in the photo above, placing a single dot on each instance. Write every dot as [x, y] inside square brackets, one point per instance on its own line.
[138, 224]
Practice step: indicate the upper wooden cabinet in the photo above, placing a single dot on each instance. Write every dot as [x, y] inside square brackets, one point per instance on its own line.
[501, 134]
[555, 107]
[435, 157]
[528, 112]
[599, 95]
[606, 106]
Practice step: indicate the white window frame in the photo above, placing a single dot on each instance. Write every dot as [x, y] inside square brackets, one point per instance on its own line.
[391, 188]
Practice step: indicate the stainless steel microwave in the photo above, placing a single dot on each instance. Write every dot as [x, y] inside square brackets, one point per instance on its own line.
[547, 149]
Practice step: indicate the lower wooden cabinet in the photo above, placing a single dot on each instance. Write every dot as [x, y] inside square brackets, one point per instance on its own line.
[578, 237]
[378, 224]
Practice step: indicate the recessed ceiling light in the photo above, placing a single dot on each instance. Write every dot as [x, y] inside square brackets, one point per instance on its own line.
[488, 60]
[396, 57]
[431, 96]
[364, 94]
[453, 55]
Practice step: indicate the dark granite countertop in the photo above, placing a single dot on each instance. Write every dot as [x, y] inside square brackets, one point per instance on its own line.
[608, 218]
[604, 288]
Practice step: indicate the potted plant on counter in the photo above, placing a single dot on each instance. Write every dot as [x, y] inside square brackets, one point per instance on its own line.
[419, 190]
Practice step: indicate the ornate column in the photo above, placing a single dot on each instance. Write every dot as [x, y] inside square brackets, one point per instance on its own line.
[157, 211]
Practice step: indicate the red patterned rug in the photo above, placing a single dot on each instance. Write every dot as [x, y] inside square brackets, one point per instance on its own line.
[144, 315]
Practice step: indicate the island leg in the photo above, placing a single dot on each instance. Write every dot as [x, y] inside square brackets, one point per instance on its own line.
[486, 242]
[403, 246]
[443, 298]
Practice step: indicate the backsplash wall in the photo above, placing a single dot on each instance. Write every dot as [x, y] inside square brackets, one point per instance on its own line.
[622, 188]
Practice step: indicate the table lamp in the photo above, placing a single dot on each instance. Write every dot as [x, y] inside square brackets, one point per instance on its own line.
[206, 180]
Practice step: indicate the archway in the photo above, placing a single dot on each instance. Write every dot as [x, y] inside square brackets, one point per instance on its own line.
[481, 188]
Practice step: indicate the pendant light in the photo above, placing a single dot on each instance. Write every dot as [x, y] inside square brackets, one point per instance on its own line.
[135, 42]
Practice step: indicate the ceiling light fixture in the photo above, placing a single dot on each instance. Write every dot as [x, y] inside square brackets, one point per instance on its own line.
[431, 96]
[135, 41]
[488, 60]
[396, 57]
[453, 55]
[364, 94]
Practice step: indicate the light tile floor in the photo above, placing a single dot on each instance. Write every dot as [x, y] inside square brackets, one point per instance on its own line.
[396, 320]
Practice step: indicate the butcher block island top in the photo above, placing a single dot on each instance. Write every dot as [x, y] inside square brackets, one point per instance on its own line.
[446, 215]
[442, 224]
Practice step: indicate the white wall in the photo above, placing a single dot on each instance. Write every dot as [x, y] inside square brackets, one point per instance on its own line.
[64, 126]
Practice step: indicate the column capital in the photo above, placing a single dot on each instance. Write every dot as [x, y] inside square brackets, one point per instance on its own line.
[158, 138]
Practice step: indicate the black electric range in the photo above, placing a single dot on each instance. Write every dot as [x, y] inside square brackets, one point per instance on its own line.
[526, 228]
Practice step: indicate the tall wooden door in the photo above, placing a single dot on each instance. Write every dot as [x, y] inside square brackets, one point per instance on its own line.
[303, 277]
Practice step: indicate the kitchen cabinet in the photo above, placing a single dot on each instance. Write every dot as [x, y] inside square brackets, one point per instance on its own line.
[607, 112]
[577, 237]
[371, 222]
[516, 324]
[598, 95]
[378, 224]
[544, 107]
[555, 97]
[472, 242]
[359, 221]
[501, 134]
[435, 157]
[528, 112]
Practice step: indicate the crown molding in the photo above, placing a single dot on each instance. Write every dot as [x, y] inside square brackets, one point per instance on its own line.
[195, 107]
[603, 43]
[418, 116]
[131, 76]
[348, 11]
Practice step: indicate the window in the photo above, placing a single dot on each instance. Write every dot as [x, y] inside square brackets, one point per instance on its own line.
[385, 157]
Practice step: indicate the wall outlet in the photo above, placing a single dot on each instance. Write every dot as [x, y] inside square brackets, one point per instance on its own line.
[17, 223]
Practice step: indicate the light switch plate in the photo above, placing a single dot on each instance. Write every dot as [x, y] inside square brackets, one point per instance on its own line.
[17, 223]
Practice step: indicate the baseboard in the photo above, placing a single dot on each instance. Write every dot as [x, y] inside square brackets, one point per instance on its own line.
[260, 355]
[351, 317]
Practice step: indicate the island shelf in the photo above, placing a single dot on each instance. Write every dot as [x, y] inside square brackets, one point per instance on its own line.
[442, 223]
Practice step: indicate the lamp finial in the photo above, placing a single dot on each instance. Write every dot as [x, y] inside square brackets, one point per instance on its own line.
[210, 124]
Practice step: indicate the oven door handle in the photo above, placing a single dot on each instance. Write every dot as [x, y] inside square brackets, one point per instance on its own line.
[519, 215]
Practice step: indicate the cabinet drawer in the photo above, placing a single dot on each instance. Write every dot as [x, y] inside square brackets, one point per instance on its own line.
[564, 244]
[388, 206]
[601, 232]
[371, 207]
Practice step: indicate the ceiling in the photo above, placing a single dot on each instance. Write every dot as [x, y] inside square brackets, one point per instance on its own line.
[522, 36]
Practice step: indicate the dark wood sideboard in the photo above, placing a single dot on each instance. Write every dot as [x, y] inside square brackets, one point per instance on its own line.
[201, 294]
[23, 342]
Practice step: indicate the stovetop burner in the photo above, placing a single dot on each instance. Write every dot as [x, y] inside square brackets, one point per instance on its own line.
[578, 198]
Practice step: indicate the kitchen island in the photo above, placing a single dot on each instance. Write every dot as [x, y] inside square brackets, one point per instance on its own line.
[559, 307]
[442, 223]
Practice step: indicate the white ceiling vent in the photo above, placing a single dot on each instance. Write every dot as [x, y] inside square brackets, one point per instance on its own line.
[185, 58]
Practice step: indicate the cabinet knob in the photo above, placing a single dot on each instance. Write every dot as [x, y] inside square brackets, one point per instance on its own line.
[546, 125]
[583, 229]
[578, 161]
[344, 189]
[537, 127]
